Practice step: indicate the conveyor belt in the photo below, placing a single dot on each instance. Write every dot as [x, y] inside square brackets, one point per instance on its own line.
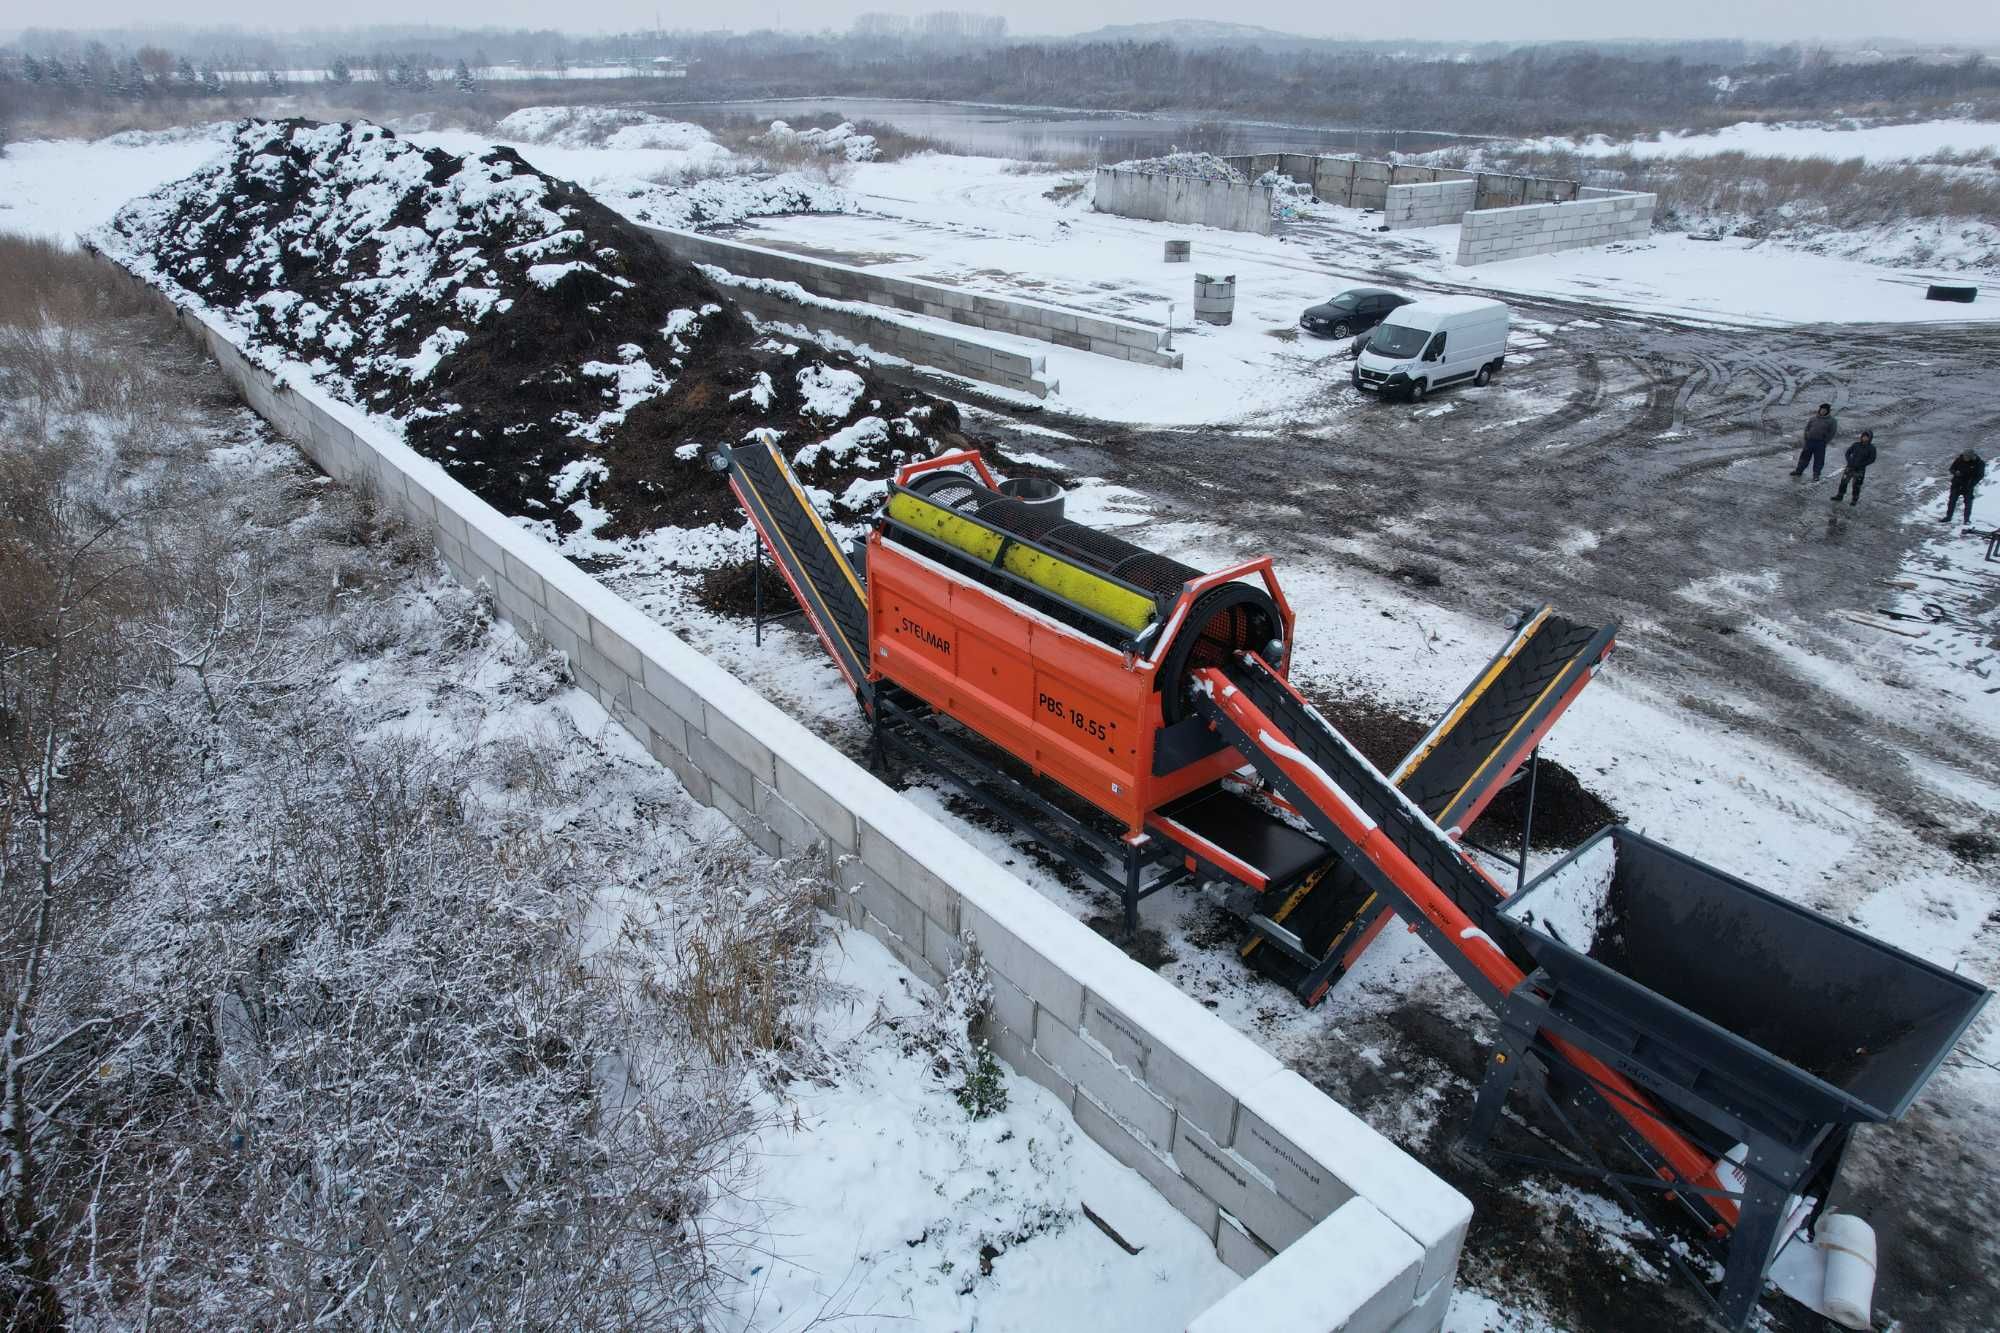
[1491, 728]
[1403, 856]
[1451, 775]
[806, 556]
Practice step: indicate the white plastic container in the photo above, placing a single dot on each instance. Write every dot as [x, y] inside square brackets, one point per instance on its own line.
[1849, 1243]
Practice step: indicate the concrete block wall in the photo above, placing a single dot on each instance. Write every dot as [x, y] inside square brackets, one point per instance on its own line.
[1187, 200]
[955, 354]
[1246, 1149]
[1433, 204]
[1488, 236]
[1127, 340]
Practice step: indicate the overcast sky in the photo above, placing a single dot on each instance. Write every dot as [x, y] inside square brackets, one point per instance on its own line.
[1473, 20]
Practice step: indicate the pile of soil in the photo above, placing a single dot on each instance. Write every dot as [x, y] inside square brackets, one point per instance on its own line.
[1566, 811]
[536, 344]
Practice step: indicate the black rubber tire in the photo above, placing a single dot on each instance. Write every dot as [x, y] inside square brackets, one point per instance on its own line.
[1340, 330]
[1417, 390]
[1484, 377]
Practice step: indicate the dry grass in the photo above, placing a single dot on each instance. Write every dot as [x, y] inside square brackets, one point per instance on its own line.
[745, 971]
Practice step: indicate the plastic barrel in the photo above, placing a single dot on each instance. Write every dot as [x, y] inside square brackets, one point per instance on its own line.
[1848, 1298]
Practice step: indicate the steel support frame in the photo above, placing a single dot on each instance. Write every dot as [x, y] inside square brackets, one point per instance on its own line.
[1327, 968]
[1120, 864]
[758, 619]
[1781, 1161]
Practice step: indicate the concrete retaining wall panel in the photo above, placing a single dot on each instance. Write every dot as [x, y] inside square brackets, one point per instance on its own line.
[1163, 1083]
[1188, 200]
[843, 282]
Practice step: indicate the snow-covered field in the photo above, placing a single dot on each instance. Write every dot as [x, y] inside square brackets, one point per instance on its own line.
[1908, 142]
[973, 222]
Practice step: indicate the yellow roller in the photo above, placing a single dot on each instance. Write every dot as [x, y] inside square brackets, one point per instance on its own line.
[1072, 583]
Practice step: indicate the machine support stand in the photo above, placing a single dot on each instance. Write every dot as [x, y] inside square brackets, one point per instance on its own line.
[1530, 773]
[758, 619]
[1131, 893]
[1528, 819]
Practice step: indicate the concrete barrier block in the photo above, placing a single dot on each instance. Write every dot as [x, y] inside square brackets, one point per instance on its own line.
[1429, 1211]
[755, 756]
[1245, 1254]
[724, 772]
[796, 833]
[1011, 1006]
[1087, 1065]
[1236, 1185]
[1105, 1130]
[1050, 987]
[826, 811]
[1352, 1273]
[909, 955]
[1019, 1056]
[1427, 1316]
[746, 822]
[886, 900]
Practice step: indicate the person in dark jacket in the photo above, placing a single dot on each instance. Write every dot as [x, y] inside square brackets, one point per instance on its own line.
[1967, 471]
[1820, 427]
[1859, 455]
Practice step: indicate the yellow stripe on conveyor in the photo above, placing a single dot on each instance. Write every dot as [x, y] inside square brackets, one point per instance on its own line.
[1072, 583]
[1471, 696]
[799, 493]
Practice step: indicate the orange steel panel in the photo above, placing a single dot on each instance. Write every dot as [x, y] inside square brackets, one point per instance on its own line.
[1069, 707]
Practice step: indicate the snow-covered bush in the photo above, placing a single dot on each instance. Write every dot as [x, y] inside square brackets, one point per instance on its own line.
[943, 1033]
[321, 919]
[841, 141]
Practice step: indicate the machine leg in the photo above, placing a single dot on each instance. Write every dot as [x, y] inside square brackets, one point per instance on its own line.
[1502, 1067]
[1528, 819]
[1131, 893]
[1750, 1249]
[757, 591]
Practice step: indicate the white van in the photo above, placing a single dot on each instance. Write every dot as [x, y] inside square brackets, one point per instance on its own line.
[1433, 342]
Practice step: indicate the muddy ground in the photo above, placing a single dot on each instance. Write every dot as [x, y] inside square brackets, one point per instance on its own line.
[1609, 472]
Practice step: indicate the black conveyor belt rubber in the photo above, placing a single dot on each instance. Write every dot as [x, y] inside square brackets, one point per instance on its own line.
[1482, 747]
[806, 555]
[1436, 855]
[1450, 776]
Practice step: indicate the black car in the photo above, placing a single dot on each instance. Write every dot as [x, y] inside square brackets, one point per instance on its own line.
[1356, 310]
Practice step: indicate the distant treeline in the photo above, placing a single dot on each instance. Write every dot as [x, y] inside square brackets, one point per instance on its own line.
[1546, 89]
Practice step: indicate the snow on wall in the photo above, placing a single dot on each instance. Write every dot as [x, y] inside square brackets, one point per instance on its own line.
[1105, 335]
[1242, 1146]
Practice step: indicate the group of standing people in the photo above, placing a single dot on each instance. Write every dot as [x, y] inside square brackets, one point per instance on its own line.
[1967, 470]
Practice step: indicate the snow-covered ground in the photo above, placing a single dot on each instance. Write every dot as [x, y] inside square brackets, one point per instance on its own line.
[874, 1199]
[976, 223]
[61, 187]
[1907, 142]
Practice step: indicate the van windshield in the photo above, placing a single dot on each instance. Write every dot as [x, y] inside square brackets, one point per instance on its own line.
[1397, 341]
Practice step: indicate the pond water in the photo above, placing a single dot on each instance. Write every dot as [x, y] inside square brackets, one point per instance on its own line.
[1093, 136]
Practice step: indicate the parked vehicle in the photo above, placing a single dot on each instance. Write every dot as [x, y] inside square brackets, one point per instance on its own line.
[1431, 343]
[1356, 310]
